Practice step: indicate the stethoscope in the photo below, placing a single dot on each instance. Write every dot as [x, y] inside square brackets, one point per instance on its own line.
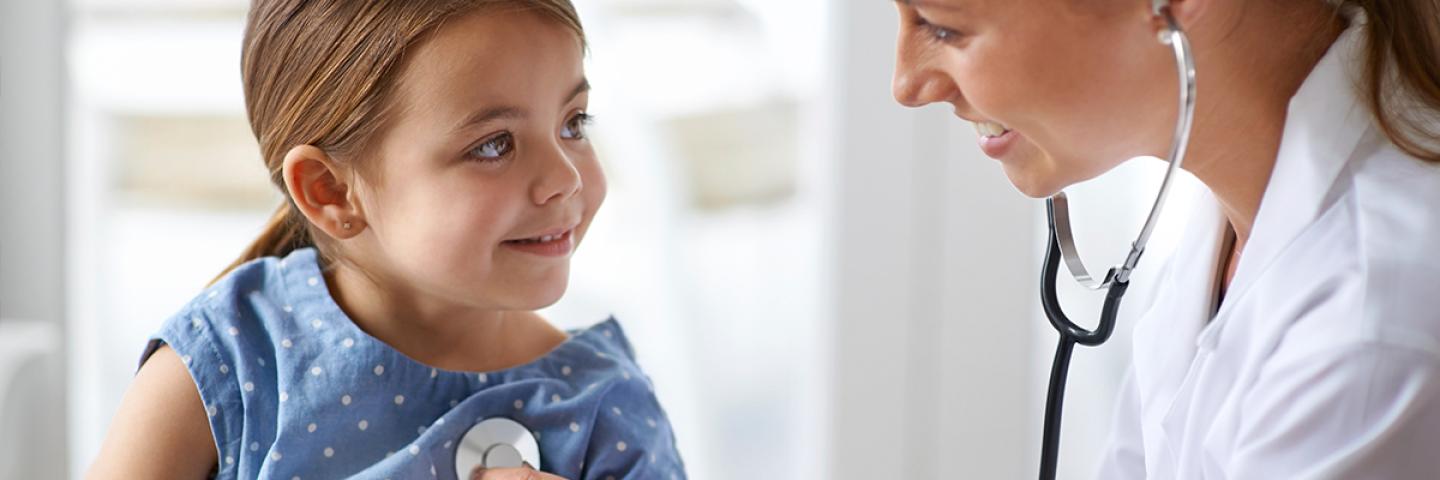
[1117, 280]
[505, 443]
[496, 443]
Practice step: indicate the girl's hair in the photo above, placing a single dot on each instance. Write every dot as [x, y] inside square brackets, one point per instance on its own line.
[1402, 72]
[321, 73]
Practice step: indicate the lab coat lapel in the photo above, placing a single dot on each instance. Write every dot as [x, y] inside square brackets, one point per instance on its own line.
[1169, 330]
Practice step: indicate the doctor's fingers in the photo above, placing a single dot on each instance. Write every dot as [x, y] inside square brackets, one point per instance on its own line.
[523, 473]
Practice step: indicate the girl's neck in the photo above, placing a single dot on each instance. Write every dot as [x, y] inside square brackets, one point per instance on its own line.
[440, 334]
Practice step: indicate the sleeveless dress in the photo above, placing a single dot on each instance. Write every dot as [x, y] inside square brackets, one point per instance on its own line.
[295, 390]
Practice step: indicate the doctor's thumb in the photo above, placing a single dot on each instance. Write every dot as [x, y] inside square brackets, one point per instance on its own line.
[523, 473]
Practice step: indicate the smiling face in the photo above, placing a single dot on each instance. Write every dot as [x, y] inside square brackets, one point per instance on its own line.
[1080, 86]
[483, 182]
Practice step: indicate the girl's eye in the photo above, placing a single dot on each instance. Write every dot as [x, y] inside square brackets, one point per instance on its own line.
[575, 128]
[494, 148]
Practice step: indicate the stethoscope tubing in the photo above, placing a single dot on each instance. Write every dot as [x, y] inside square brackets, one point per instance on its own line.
[1070, 334]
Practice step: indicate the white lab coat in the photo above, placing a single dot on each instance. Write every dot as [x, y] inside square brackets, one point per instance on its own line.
[1324, 359]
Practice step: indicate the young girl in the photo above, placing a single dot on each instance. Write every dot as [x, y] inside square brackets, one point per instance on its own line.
[434, 156]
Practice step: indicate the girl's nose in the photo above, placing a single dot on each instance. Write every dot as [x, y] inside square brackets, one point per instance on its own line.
[559, 179]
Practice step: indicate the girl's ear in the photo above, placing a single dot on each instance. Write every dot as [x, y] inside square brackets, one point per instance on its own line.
[316, 184]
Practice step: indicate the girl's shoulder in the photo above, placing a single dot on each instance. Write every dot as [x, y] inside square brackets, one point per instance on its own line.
[253, 301]
[227, 337]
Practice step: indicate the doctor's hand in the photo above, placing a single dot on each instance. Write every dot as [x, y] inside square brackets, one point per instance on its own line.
[522, 473]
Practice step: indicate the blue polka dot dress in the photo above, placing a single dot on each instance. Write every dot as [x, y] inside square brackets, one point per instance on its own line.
[295, 390]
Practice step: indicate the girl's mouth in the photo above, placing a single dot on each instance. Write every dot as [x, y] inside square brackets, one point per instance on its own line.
[549, 245]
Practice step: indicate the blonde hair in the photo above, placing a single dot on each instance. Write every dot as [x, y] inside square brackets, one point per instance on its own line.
[1402, 72]
[321, 73]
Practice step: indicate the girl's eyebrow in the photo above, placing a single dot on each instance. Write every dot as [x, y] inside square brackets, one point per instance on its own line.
[488, 114]
[582, 87]
[509, 112]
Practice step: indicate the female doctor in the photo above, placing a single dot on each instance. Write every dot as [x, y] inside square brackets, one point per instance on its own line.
[1296, 332]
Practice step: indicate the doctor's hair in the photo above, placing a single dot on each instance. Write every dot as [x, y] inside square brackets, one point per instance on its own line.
[1402, 72]
[323, 73]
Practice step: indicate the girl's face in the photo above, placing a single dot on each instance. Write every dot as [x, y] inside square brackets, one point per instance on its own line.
[1080, 86]
[484, 182]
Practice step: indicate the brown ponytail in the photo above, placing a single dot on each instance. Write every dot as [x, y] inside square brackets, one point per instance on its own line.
[285, 232]
[1402, 72]
[319, 73]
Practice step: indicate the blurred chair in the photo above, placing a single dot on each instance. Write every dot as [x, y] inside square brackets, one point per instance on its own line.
[32, 410]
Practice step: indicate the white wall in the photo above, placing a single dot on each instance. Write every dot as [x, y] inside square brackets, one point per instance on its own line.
[30, 160]
[32, 215]
[934, 277]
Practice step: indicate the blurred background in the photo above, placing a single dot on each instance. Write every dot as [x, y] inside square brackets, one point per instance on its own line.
[822, 283]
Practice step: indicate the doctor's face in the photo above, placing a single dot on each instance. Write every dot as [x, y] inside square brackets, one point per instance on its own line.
[1059, 91]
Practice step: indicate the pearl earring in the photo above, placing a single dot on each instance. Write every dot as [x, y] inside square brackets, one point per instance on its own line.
[346, 226]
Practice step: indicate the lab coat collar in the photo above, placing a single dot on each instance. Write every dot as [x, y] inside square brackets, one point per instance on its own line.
[1325, 123]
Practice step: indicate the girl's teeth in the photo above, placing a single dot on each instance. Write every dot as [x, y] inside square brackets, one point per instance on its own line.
[990, 129]
[542, 238]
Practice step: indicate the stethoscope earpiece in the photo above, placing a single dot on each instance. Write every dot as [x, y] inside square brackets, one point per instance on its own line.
[1158, 6]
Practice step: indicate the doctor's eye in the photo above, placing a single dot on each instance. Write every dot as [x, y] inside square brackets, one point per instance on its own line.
[936, 33]
[574, 129]
[493, 148]
[942, 34]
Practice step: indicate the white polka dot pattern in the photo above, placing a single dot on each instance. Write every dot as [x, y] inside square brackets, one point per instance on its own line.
[294, 389]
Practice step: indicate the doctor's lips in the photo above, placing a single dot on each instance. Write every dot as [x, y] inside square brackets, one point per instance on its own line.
[995, 139]
[552, 243]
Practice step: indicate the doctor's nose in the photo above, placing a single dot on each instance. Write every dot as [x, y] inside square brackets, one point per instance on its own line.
[918, 88]
[916, 84]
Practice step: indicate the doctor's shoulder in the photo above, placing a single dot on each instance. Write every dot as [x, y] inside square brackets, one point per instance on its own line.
[1346, 334]
[162, 428]
[1360, 283]
[1395, 224]
[1369, 258]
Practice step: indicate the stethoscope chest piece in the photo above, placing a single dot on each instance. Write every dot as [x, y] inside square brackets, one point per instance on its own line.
[496, 443]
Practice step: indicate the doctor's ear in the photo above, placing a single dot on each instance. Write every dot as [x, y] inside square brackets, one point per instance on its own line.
[1186, 12]
[322, 192]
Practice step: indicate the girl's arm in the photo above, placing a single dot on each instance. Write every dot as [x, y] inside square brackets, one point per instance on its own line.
[161, 429]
